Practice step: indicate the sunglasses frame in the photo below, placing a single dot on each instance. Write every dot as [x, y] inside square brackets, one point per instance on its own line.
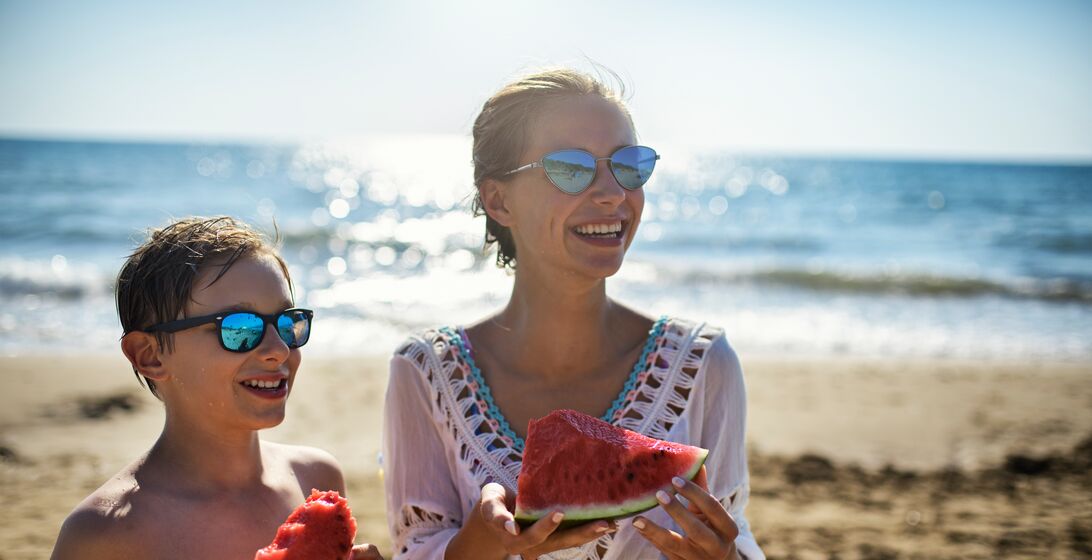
[595, 169]
[218, 318]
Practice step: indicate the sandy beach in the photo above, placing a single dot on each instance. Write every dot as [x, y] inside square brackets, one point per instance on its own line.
[850, 458]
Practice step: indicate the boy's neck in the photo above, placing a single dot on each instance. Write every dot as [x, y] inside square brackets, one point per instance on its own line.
[196, 460]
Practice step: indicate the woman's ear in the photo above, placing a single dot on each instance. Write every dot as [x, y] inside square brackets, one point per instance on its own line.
[142, 351]
[494, 202]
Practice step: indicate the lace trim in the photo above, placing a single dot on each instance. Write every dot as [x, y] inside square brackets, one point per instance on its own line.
[484, 395]
[416, 525]
[659, 399]
[653, 406]
[482, 449]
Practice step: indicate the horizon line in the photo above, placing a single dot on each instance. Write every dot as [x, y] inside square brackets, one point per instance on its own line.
[908, 156]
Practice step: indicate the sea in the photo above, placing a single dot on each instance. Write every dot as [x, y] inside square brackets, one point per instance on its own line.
[792, 256]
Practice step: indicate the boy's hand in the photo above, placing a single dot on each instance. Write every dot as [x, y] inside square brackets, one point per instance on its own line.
[365, 552]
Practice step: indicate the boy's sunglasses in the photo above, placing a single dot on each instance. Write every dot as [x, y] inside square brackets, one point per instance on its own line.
[243, 331]
[573, 170]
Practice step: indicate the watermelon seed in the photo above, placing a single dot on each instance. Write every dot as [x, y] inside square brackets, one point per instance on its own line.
[630, 476]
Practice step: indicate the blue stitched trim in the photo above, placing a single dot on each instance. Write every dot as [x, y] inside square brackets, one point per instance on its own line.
[495, 413]
[483, 389]
[650, 345]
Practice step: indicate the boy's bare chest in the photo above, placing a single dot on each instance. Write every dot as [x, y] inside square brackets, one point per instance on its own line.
[222, 529]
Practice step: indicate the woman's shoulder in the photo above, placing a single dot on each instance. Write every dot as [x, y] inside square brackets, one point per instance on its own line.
[436, 341]
[701, 344]
[427, 349]
[697, 334]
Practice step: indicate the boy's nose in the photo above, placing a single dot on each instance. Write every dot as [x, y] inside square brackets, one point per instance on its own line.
[272, 343]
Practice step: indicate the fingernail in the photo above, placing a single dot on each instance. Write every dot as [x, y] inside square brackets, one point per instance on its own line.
[639, 523]
[678, 482]
[510, 526]
[602, 528]
[663, 498]
[558, 517]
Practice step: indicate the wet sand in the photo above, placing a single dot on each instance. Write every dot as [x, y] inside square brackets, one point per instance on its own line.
[850, 458]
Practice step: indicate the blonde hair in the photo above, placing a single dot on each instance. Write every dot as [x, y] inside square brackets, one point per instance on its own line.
[502, 128]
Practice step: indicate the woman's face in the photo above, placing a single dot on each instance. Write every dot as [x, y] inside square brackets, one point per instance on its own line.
[576, 234]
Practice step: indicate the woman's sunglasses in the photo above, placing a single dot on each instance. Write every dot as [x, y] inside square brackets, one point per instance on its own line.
[243, 331]
[573, 170]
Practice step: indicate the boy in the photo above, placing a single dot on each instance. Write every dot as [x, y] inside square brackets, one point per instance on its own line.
[210, 325]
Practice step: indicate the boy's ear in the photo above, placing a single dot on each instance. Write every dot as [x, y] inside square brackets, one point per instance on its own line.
[142, 351]
[494, 203]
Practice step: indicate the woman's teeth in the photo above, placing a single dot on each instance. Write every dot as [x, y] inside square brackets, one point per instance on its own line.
[262, 384]
[600, 230]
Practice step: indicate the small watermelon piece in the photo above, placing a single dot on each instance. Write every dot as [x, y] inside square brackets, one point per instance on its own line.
[321, 528]
[589, 469]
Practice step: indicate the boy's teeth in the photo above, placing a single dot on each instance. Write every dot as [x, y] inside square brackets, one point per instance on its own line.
[261, 384]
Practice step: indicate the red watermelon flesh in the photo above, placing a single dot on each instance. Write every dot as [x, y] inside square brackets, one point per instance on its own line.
[589, 469]
[322, 528]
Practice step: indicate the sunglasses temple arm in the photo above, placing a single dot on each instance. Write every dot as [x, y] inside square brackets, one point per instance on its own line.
[531, 165]
[181, 324]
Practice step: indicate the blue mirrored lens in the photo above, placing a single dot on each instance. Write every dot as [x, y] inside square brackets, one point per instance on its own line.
[633, 165]
[241, 332]
[571, 170]
[294, 328]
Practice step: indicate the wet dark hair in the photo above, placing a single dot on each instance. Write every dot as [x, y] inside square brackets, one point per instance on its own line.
[502, 127]
[157, 279]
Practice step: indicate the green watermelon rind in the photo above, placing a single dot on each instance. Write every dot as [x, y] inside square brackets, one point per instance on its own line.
[576, 515]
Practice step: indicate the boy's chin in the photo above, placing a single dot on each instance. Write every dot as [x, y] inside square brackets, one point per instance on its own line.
[267, 421]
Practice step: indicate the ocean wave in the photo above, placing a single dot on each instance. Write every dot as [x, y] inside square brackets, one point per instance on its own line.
[1072, 243]
[56, 278]
[921, 285]
[778, 243]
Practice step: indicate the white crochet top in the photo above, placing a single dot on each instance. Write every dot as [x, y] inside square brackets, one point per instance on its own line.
[443, 439]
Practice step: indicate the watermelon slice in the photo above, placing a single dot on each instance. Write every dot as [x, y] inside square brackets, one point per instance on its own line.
[589, 469]
[322, 528]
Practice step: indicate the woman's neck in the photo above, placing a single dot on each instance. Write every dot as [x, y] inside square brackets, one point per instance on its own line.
[555, 328]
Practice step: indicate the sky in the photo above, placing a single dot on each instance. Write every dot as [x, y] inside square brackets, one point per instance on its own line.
[999, 80]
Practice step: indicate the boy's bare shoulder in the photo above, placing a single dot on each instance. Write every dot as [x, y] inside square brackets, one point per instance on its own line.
[103, 524]
[313, 467]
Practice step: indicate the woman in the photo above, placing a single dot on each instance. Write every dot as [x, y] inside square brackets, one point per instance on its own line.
[559, 177]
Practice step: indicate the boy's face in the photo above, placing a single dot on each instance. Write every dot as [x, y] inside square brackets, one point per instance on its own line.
[206, 382]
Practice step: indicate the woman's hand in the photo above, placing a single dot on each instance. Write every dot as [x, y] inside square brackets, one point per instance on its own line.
[492, 531]
[365, 552]
[710, 531]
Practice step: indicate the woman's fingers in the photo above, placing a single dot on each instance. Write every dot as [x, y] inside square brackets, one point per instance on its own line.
[695, 530]
[711, 508]
[537, 533]
[541, 537]
[366, 552]
[672, 544]
[494, 511]
[571, 537]
[701, 479]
